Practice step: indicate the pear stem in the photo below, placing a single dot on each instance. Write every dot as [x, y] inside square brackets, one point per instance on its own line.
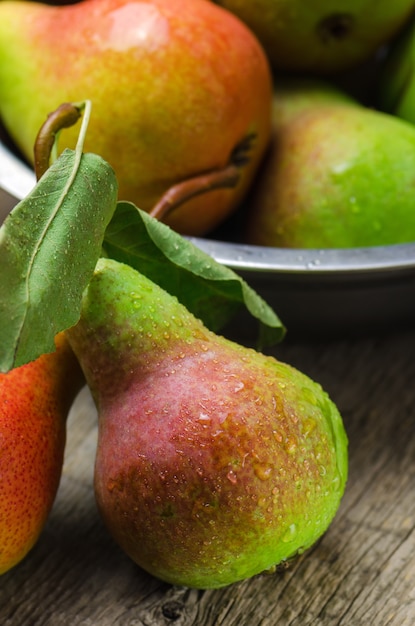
[68, 113]
[226, 177]
[178, 194]
[46, 143]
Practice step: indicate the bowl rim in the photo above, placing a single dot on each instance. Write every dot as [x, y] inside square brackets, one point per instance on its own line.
[320, 261]
[18, 179]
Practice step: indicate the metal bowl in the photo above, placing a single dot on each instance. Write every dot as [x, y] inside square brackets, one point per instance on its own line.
[329, 293]
[316, 293]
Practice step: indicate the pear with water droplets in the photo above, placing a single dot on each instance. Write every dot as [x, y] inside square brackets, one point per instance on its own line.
[175, 86]
[337, 175]
[214, 462]
[35, 400]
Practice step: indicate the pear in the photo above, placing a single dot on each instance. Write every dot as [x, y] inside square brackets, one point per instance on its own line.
[321, 37]
[171, 98]
[337, 175]
[34, 404]
[214, 462]
[294, 95]
[396, 93]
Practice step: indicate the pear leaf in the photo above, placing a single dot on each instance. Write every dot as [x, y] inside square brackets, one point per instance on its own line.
[210, 290]
[49, 246]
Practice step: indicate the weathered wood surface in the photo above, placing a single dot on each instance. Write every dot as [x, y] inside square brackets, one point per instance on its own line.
[362, 572]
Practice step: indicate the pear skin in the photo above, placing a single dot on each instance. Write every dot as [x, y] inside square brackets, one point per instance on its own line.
[293, 96]
[214, 462]
[321, 37]
[171, 99]
[396, 89]
[34, 403]
[337, 175]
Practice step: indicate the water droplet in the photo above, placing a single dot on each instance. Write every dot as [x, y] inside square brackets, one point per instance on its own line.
[312, 264]
[277, 436]
[239, 386]
[290, 533]
[114, 484]
[217, 432]
[290, 445]
[263, 472]
[322, 470]
[340, 168]
[231, 476]
[336, 483]
[309, 425]
[203, 417]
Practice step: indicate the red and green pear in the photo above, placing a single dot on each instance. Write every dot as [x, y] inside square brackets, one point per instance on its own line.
[396, 94]
[322, 37]
[214, 462]
[292, 96]
[175, 86]
[35, 400]
[337, 175]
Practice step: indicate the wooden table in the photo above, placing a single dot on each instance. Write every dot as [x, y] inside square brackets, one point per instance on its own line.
[362, 572]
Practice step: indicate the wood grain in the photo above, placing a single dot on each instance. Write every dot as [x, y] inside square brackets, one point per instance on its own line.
[361, 572]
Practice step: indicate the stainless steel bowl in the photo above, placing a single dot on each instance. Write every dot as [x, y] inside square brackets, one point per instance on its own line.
[316, 293]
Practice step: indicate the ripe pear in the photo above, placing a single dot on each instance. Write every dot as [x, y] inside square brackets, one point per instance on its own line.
[171, 96]
[34, 404]
[292, 96]
[322, 37]
[397, 81]
[214, 461]
[338, 175]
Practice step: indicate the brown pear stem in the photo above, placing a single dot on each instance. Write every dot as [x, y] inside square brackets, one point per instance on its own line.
[178, 194]
[226, 177]
[66, 115]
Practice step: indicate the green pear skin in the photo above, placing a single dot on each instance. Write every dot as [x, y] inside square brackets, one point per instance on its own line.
[396, 93]
[322, 37]
[214, 462]
[337, 175]
[170, 97]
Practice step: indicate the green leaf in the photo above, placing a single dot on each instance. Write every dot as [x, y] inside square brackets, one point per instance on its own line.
[207, 288]
[49, 246]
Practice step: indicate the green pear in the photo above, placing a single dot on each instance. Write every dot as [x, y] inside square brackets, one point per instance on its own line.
[396, 94]
[292, 96]
[214, 462]
[321, 37]
[337, 175]
[171, 98]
